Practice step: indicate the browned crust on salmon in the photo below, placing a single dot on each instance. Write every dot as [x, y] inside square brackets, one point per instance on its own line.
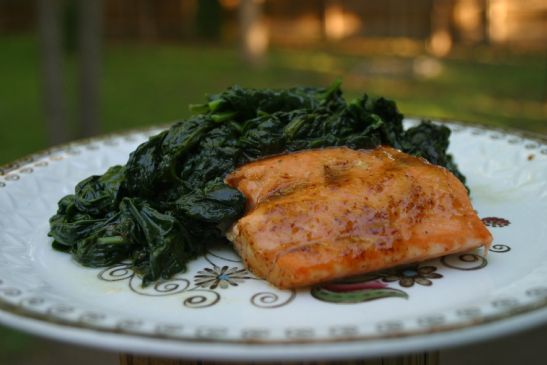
[319, 215]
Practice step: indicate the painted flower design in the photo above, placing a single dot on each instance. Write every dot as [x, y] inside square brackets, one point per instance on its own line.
[495, 222]
[222, 277]
[409, 275]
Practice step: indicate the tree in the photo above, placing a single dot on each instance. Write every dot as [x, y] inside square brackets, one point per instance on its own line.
[52, 70]
[90, 65]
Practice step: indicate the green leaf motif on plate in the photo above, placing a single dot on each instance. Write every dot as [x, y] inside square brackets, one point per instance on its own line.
[356, 296]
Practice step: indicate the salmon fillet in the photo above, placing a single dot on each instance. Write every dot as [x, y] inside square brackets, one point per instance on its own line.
[319, 215]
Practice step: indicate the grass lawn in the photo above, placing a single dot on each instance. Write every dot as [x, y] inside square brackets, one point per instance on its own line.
[144, 84]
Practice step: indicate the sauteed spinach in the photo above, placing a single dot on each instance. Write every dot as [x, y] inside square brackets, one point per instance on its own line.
[161, 208]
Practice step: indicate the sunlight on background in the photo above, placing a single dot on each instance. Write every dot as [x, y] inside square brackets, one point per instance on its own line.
[340, 24]
[440, 43]
[499, 29]
[467, 16]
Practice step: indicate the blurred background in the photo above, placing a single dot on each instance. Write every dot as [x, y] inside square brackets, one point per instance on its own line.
[77, 68]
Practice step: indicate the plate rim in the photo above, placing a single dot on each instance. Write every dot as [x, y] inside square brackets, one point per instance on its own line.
[538, 310]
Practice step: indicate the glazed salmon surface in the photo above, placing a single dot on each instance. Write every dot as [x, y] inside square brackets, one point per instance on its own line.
[319, 215]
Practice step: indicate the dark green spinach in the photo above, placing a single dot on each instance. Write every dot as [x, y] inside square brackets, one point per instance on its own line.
[169, 200]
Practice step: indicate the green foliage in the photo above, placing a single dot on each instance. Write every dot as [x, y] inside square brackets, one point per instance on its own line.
[161, 208]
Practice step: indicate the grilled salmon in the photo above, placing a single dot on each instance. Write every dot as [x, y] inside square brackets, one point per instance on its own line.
[319, 215]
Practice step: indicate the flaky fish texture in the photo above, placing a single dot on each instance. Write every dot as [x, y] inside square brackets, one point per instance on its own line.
[320, 215]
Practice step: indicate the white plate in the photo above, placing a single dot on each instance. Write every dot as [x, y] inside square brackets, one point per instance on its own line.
[455, 300]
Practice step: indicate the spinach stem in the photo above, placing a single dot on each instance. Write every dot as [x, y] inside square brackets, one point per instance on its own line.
[198, 108]
[214, 105]
[112, 240]
[222, 117]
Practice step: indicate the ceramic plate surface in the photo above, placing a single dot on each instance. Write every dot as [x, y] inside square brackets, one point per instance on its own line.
[218, 310]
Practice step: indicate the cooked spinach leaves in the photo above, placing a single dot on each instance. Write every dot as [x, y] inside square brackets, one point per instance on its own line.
[169, 200]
